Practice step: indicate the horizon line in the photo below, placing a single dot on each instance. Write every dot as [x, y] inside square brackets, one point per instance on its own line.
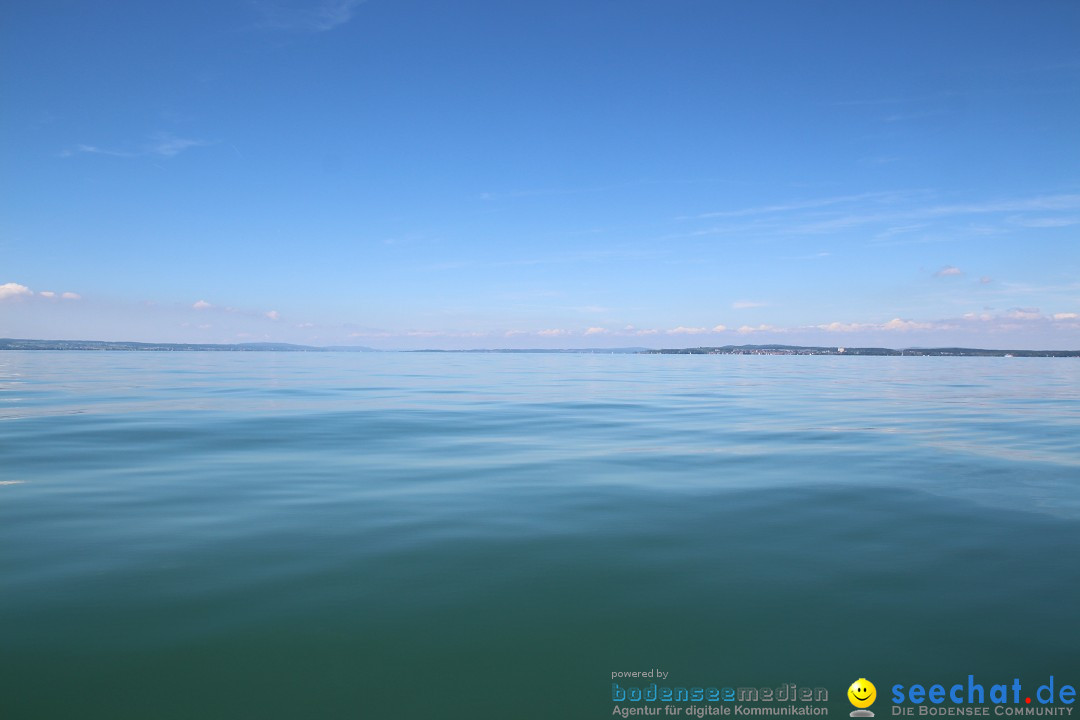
[266, 346]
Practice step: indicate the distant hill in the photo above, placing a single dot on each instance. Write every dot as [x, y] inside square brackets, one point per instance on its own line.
[100, 345]
[814, 350]
[15, 344]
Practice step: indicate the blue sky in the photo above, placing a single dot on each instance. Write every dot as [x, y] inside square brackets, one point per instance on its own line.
[662, 173]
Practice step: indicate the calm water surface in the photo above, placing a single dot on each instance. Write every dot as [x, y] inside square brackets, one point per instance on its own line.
[265, 535]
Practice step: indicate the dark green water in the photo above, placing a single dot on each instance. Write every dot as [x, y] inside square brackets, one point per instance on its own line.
[231, 535]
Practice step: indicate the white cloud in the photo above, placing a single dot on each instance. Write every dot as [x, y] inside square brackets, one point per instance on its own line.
[896, 324]
[948, 271]
[274, 315]
[47, 294]
[554, 332]
[11, 290]
[969, 322]
[986, 280]
[844, 327]
[202, 305]
[71, 296]
[747, 329]
[631, 330]
[596, 331]
[905, 325]
[743, 304]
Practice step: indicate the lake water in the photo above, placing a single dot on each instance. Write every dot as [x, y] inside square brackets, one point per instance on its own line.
[406, 535]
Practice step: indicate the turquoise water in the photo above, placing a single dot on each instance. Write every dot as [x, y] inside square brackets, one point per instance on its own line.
[264, 535]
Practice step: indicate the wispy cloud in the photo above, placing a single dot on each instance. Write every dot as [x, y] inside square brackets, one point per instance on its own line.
[941, 211]
[202, 305]
[71, 296]
[791, 206]
[1060, 201]
[1044, 222]
[162, 145]
[95, 150]
[745, 304]
[168, 145]
[949, 271]
[903, 117]
[895, 99]
[566, 258]
[812, 256]
[302, 16]
[879, 159]
[273, 315]
[582, 190]
[891, 218]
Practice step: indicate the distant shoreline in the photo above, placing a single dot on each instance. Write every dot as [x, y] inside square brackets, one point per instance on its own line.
[101, 345]
[889, 352]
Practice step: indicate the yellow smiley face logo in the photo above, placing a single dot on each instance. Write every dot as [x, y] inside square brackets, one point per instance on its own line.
[862, 693]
